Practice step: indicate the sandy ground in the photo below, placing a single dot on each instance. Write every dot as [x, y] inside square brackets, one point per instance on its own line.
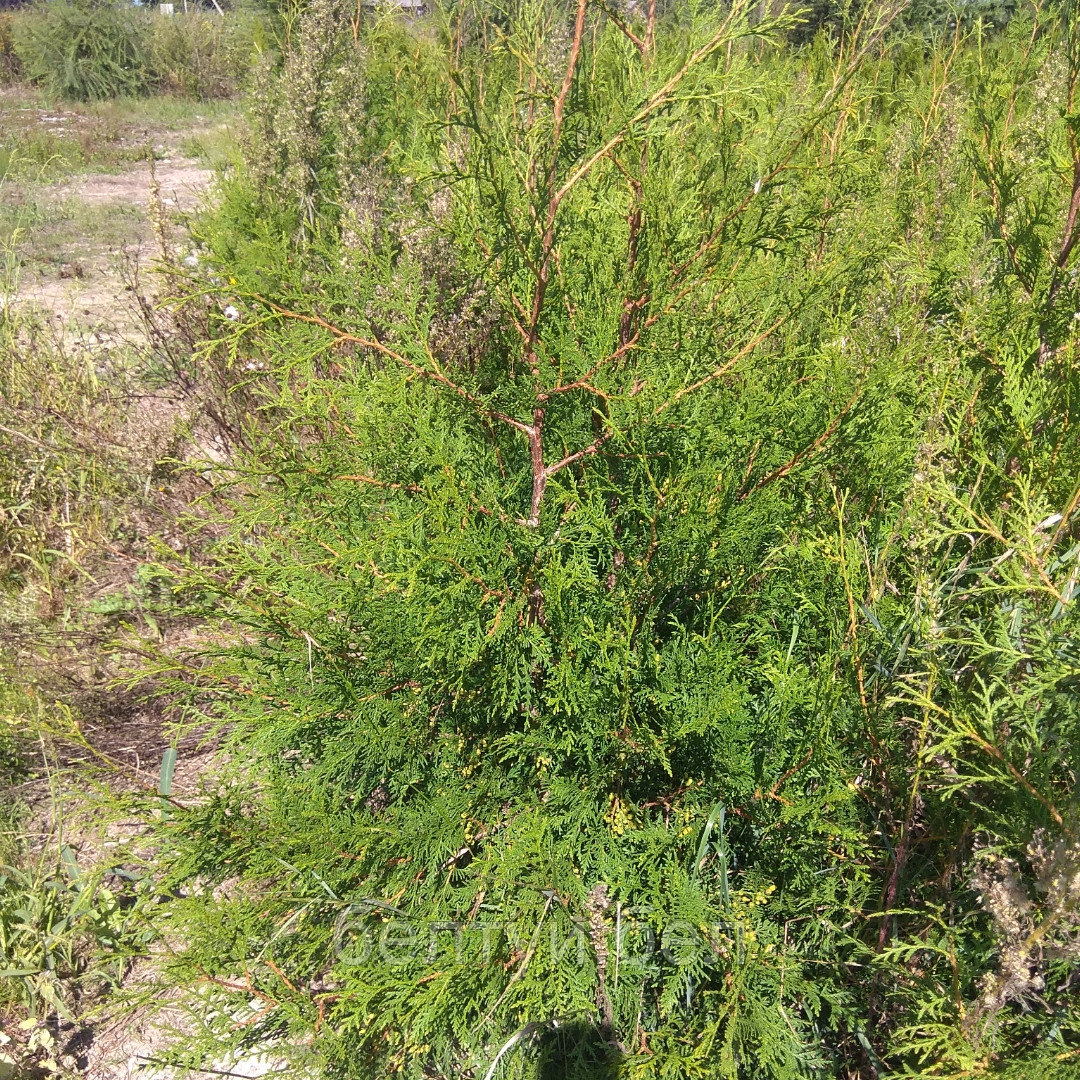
[93, 292]
[89, 298]
[182, 182]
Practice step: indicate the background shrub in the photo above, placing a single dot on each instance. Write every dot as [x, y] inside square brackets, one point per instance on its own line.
[84, 50]
[87, 50]
[202, 55]
[10, 67]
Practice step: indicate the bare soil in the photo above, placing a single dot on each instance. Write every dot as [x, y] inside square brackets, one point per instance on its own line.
[80, 188]
[81, 232]
[89, 287]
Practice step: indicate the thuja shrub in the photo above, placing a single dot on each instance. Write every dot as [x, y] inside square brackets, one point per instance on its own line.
[645, 612]
[203, 55]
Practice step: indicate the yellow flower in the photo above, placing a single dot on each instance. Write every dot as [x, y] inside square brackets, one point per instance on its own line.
[620, 817]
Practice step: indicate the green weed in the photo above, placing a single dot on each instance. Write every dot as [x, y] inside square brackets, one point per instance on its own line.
[66, 934]
[202, 55]
[57, 925]
[217, 148]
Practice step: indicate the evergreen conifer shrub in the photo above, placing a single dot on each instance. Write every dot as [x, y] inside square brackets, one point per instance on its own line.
[93, 50]
[84, 50]
[646, 611]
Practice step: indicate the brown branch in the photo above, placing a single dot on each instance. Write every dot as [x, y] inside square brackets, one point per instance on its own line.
[816, 445]
[535, 431]
[31, 440]
[583, 383]
[990, 529]
[1071, 233]
[656, 101]
[280, 974]
[840, 82]
[570, 459]
[245, 988]
[542, 473]
[989, 748]
[488, 590]
[661, 96]
[629, 34]
[373, 343]
[999, 218]
[631, 309]
[722, 370]
[539, 474]
[853, 622]
[548, 240]
[624, 348]
[1072, 225]
[774, 793]
[1063, 523]
[1017, 775]
[571, 68]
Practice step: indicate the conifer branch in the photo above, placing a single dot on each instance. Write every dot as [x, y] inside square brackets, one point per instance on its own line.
[374, 343]
[522, 967]
[796, 459]
[722, 369]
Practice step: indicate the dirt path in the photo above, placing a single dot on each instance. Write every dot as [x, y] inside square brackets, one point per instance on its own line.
[75, 202]
[181, 181]
[84, 283]
[77, 220]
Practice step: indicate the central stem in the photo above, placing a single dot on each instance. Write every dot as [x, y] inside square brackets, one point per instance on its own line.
[539, 473]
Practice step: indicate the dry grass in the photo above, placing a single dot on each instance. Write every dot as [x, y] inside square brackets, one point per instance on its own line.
[93, 427]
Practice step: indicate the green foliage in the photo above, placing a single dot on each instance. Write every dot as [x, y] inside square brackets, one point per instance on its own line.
[64, 931]
[9, 63]
[202, 55]
[84, 50]
[53, 918]
[647, 601]
[91, 50]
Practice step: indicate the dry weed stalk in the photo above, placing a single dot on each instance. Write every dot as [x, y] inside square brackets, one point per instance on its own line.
[1030, 932]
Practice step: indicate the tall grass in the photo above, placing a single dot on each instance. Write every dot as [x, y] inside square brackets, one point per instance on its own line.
[77, 466]
[65, 474]
[203, 56]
